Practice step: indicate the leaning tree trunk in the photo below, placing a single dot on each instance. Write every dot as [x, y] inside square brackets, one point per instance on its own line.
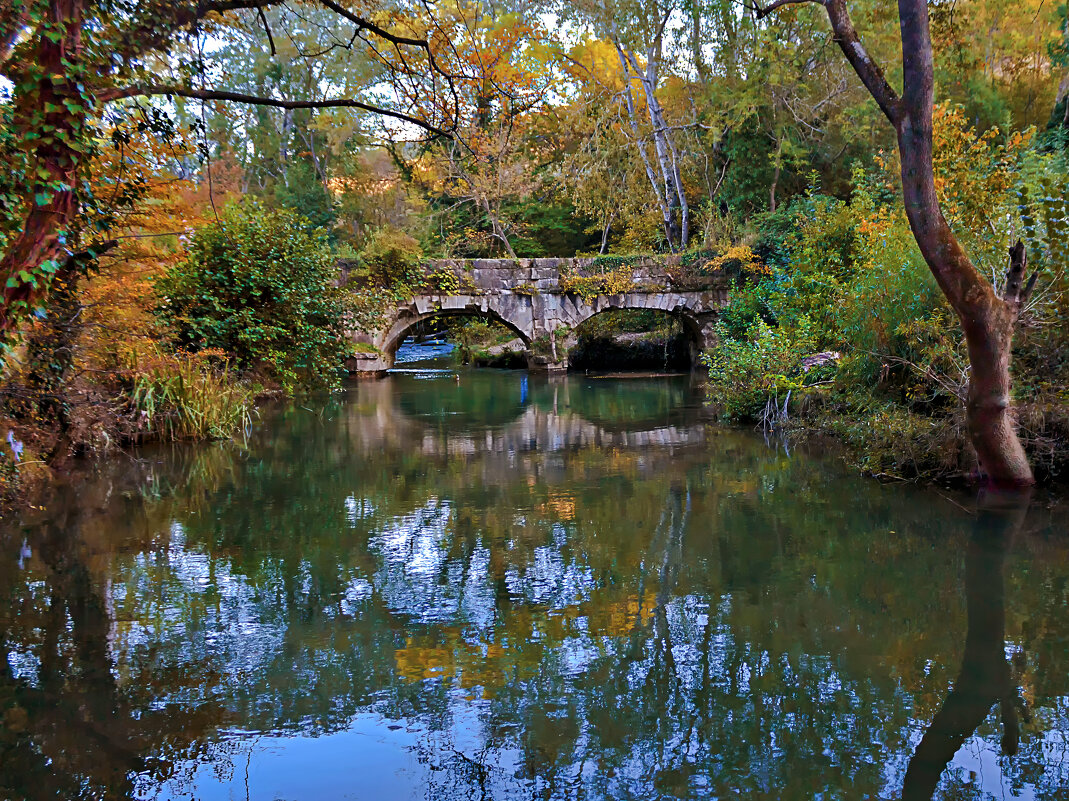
[677, 219]
[987, 320]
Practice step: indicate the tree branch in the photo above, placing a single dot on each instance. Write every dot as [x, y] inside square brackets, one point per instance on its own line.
[764, 11]
[849, 42]
[253, 100]
[267, 30]
[367, 25]
[1017, 290]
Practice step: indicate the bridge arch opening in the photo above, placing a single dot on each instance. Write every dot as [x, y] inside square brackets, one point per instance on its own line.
[636, 339]
[496, 332]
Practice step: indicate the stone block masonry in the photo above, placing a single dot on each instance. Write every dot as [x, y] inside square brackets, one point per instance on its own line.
[526, 295]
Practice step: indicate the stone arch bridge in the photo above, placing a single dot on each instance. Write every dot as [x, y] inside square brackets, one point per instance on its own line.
[544, 301]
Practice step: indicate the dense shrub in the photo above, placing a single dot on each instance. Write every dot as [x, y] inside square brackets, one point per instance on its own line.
[767, 364]
[392, 260]
[848, 278]
[259, 286]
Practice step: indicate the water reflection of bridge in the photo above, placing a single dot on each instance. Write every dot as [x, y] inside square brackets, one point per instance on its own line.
[546, 427]
[547, 432]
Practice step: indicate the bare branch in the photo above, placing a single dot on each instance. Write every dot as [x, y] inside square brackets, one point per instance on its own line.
[253, 100]
[1018, 291]
[368, 25]
[267, 30]
[1015, 272]
[764, 11]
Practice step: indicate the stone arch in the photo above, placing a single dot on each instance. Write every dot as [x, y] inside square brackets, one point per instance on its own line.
[695, 325]
[537, 317]
[453, 306]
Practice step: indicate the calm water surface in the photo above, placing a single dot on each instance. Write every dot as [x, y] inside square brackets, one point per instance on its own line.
[503, 587]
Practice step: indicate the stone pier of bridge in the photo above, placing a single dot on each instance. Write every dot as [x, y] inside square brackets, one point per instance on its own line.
[539, 301]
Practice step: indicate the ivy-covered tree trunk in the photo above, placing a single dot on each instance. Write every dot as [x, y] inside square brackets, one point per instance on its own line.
[50, 352]
[50, 111]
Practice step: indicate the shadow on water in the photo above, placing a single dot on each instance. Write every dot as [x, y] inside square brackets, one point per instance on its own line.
[525, 589]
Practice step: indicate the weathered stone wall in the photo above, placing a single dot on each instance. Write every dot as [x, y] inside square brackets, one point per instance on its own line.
[526, 295]
[543, 275]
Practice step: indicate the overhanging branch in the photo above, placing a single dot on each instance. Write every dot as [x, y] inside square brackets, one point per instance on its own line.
[254, 100]
[764, 11]
[849, 42]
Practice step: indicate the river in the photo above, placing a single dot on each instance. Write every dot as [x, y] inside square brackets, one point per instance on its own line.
[490, 585]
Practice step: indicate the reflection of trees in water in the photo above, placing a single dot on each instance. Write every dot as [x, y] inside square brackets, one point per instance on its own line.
[608, 623]
[72, 728]
[985, 679]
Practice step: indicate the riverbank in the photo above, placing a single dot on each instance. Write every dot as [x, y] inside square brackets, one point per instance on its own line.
[887, 441]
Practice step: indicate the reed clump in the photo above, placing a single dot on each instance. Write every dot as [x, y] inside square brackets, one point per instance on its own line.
[191, 396]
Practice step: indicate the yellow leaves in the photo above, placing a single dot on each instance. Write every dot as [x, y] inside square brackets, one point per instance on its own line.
[745, 257]
[620, 617]
[558, 507]
[594, 61]
[613, 282]
[505, 60]
[448, 657]
[490, 663]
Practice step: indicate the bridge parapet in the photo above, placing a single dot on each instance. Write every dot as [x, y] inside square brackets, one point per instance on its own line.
[544, 300]
[658, 272]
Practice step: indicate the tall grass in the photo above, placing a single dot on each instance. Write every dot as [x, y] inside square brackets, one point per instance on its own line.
[184, 396]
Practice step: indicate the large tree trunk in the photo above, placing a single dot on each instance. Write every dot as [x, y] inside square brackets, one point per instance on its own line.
[987, 320]
[57, 108]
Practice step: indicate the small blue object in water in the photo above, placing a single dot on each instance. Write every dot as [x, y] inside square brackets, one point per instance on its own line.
[523, 389]
[16, 446]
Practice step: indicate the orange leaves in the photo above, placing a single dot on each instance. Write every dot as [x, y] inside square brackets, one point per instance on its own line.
[497, 65]
[121, 329]
[876, 225]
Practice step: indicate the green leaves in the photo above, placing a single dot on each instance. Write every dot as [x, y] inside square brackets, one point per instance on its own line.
[258, 284]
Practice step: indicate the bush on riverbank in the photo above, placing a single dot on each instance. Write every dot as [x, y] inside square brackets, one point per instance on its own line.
[848, 282]
[259, 286]
[101, 367]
